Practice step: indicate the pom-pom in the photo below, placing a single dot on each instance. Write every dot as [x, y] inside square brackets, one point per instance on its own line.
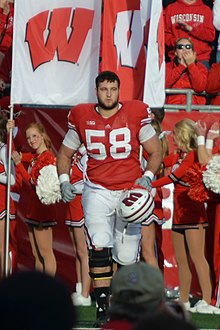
[48, 186]
[197, 190]
[211, 176]
[44, 159]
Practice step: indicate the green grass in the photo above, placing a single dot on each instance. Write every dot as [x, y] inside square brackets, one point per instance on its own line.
[87, 317]
[202, 321]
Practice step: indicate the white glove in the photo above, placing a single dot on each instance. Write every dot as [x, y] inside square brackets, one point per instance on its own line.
[68, 191]
[144, 181]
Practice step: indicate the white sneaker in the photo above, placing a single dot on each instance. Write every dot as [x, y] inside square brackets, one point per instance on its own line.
[202, 307]
[79, 300]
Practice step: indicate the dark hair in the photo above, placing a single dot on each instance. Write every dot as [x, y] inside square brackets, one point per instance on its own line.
[158, 113]
[107, 75]
[3, 130]
[38, 301]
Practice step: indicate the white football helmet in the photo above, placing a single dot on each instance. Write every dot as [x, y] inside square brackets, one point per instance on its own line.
[136, 205]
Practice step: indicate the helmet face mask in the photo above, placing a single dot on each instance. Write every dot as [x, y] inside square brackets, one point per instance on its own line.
[136, 205]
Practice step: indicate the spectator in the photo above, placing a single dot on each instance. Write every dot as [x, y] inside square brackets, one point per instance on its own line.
[137, 291]
[6, 26]
[161, 321]
[213, 83]
[185, 72]
[40, 217]
[216, 22]
[190, 19]
[37, 301]
[189, 220]
[112, 133]
[5, 69]
[75, 222]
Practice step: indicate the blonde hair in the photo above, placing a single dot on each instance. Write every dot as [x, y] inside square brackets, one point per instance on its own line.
[40, 128]
[186, 134]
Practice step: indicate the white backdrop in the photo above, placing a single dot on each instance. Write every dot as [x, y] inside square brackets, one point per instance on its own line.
[42, 73]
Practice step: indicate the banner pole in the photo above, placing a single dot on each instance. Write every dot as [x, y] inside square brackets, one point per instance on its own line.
[7, 222]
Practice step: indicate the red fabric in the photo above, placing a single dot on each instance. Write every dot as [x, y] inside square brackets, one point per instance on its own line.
[118, 171]
[197, 15]
[6, 28]
[118, 325]
[193, 77]
[5, 67]
[213, 83]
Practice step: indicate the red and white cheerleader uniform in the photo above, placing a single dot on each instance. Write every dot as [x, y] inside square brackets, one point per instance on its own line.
[38, 214]
[187, 212]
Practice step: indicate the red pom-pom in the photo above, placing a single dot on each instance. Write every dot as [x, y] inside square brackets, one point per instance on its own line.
[197, 190]
[44, 159]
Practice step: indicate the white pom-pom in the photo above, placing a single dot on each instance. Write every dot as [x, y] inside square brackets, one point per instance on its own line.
[48, 186]
[211, 176]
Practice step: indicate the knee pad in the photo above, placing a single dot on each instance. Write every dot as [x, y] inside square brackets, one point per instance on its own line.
[126, 253]
[101, 239]
[103, 260]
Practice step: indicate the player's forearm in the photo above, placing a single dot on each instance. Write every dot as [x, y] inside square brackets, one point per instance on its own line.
[154, 162]
[63, 161]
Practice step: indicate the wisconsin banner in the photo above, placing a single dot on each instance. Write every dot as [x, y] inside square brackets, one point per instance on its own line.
[123, 45]
[154, 86]
[55, 51]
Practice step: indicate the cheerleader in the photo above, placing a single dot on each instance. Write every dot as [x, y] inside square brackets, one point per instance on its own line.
[3, 190]
[75, 222]
[209, 158]
[189, 220]
[40, 218]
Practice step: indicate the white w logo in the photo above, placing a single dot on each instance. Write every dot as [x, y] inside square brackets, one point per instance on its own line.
[128, 37]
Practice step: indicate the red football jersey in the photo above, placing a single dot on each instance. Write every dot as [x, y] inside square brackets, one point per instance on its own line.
[112, 143]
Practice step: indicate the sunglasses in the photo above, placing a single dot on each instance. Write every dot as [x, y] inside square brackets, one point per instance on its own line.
[181, 46]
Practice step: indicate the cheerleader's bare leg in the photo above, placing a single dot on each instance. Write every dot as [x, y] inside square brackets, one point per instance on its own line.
[148, 245]
[184, 272]
[196, 244]
[79, 241]
[44, 241]
[38, 260]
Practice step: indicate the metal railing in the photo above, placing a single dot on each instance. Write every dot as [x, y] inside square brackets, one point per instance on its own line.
[188, 107]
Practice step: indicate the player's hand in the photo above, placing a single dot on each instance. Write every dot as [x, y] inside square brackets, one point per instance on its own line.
[67, 191]
[145, 182]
